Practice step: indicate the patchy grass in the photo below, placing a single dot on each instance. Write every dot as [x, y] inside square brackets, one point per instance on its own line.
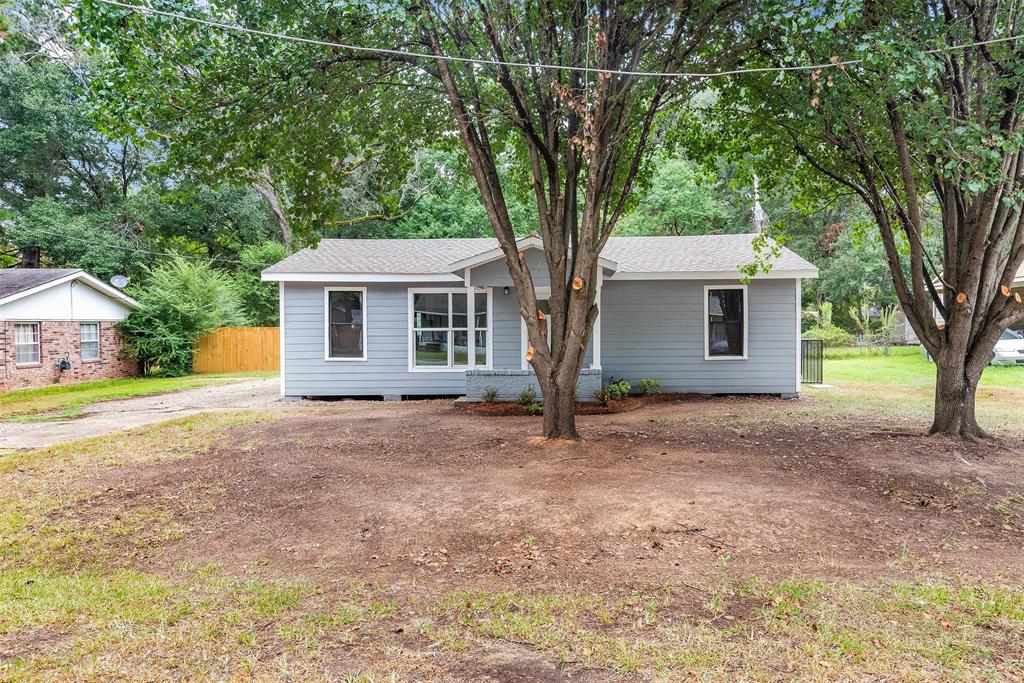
[869, 384]
[806, 629]
[80, 600]
[62, 401]
[40, 489]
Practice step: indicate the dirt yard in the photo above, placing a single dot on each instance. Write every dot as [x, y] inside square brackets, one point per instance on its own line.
[707, 500]
[379, 491]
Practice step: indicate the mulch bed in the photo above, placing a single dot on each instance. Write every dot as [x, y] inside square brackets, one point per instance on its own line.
[500, 408]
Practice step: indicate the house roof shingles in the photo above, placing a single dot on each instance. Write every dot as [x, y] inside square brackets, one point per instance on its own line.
[16, 280]
[692, 254]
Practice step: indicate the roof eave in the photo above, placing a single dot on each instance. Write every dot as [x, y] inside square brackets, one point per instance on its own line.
[522, 244]
[93, 282]
[357, 278]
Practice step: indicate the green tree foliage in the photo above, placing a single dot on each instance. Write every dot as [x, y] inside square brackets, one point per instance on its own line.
[930, 107]
[445, 201]
[89, 241]
[181, 301]
[258, 300]
[680, 201]
[48, 146]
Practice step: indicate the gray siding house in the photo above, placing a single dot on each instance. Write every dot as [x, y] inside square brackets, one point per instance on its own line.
[436, 317]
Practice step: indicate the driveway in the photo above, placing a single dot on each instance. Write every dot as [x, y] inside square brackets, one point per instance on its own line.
[111, 416]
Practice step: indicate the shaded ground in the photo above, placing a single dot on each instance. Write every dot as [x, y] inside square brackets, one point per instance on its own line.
[379, 491]
[109, 416]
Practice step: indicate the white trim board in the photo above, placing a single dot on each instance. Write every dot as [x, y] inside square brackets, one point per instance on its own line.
[470, 328]
[707, 323]
[360, 278]
[327, 324]
[443, 278]
[716, 275]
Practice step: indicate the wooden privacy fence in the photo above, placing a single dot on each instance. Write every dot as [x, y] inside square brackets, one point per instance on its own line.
[238, 349]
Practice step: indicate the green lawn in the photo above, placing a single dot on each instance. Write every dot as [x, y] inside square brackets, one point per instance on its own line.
[902, 385]
[67, 400]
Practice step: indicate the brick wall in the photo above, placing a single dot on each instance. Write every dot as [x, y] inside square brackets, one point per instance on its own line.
[57, 340]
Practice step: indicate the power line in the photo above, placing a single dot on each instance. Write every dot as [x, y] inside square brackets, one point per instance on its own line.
[125, 247]
[143, 10]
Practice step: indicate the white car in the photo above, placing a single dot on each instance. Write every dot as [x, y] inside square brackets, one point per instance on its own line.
[1010, 348]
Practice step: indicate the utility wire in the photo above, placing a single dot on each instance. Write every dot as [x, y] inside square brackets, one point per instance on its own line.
[143, 10]
[143, 251]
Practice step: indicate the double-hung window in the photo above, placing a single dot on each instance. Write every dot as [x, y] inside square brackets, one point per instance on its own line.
[725, 322]
[345, 319]
[442, 336]
[26, 343]
[89, 340]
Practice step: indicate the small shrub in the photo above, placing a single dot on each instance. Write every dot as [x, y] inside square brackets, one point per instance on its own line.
[619, 390]
[535, 408]
[832, 336]
[528, 396]
[650, 386]
[616, 390]
[490, 394]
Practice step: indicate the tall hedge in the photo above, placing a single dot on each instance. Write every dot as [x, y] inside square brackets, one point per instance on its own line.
[181, 301]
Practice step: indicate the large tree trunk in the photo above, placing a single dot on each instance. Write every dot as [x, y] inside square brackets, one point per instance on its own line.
[560, 411]
[955, 389]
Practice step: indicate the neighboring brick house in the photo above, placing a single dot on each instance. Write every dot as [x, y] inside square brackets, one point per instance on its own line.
[57, 325]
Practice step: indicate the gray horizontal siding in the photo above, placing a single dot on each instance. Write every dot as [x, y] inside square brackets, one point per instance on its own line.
[495, 273]
[656, 329]
[649, 329]
[386, 370]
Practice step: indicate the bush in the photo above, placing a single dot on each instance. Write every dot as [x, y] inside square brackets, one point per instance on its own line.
[180, 302]
[616, 390]
[258, 299]
[535, 408]
[832, 336]
[650, 386]
[527, 396]
[490, 394]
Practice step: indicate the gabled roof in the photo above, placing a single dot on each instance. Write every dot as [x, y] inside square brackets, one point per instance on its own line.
[17, 283]
[522, 244]
[396, 260]
[15, 280]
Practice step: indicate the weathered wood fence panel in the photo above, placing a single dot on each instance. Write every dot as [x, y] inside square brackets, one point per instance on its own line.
[238, 349]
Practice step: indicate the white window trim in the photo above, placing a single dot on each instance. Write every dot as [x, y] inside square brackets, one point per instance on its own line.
[99, 345]
[707, 322]
[470, 329]
[38, 344]
[327, 323]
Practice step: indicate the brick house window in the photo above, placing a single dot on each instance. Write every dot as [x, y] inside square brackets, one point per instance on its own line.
[89, 336]
[26, 343]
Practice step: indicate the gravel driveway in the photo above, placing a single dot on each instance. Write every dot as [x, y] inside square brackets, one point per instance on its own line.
[111, 416]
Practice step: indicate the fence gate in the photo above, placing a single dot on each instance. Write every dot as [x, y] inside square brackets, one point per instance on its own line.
[238, 349]
[812, 355]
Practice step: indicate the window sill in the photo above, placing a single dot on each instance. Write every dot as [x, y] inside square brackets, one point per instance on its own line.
[725, 358]
[90, 360]
[28, 365]
[346, 360]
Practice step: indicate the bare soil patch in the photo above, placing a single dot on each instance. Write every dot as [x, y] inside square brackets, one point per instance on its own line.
[672, 492]
[624, 405]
